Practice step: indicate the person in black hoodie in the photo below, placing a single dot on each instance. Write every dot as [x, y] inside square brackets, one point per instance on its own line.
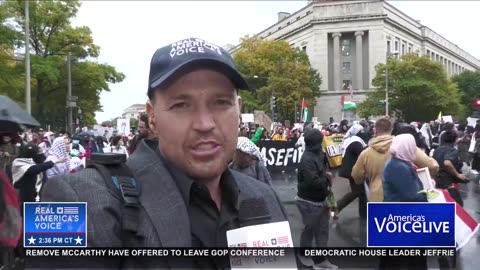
[28, 171]
[314, 185]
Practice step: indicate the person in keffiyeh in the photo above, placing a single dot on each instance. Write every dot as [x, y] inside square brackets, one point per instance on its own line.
[57, 151]
[28, 172]
[249, 160]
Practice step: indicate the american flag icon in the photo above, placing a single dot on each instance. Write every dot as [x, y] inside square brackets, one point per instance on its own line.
[70, 210]
[283, 239]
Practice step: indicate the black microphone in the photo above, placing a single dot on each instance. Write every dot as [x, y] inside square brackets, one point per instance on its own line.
[253, 211]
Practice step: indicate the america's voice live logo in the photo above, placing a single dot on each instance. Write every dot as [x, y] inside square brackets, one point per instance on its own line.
[411, 225]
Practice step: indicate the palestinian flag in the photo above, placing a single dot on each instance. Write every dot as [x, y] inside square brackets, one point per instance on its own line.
[465, 226]
[305, 114]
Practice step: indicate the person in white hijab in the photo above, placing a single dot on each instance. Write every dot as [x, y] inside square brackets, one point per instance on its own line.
[56, 152]
[427, 134]
[352, 146]
[351, 136]
[46, 143]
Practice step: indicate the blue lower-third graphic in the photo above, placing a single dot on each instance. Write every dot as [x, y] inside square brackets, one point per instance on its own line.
[411, 225]
[55, 225]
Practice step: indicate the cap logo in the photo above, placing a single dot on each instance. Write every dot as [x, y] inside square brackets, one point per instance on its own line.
[196, 45]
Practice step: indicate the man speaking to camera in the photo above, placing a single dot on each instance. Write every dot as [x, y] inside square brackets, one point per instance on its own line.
[188, 196]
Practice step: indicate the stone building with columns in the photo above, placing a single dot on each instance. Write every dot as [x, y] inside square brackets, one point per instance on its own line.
[345, 40]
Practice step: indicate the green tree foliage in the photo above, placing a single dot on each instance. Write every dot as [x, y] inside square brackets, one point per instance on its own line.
[273, 68]
[469, 85]
[11, 81]
[419, 89]
[52, 37]
[108, 123]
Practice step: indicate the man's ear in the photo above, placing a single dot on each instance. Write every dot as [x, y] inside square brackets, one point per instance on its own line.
[151, 116]
[239, 101]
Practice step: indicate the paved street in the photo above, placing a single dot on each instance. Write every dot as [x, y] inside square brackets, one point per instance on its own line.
[349, 232]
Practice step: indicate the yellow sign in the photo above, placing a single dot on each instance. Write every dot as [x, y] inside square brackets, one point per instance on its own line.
[332, 147]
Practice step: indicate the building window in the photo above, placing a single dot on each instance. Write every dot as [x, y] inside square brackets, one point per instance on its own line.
[304, 48]
[396, 45]
[346, 68]
[346, 48]
[409, 49]
[388, 46]
[403, 49]
[346, 84]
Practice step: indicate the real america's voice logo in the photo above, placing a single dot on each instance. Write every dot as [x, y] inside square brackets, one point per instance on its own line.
[411, 225]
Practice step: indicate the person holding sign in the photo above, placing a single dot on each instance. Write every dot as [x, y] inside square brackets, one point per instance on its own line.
[402, 184]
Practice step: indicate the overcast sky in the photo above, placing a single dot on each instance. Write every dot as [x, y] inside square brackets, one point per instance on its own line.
[129, 32]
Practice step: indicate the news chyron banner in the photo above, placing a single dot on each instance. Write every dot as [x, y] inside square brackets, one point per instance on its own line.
[55, 224]
[421, 225]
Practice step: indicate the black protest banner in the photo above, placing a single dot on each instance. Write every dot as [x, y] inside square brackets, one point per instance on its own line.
[280, 154]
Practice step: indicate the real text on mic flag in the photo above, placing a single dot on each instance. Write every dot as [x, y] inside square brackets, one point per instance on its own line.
[270, 235]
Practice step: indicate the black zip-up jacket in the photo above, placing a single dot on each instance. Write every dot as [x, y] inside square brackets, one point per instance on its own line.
[313, 183]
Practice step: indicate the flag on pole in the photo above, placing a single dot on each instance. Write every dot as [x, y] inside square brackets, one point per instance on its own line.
[304, 104]
[350, 90]
[305, 115]
[439, 118]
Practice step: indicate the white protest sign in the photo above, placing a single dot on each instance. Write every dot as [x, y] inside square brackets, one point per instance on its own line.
[123, 126]
[248, 118]
[100, 131]
[472, 121]
[271, 235]
[447, 119]
[425, 178]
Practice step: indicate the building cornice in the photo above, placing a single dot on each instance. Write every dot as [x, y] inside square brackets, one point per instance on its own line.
[331, 20]
[401, 27]
[433, 43]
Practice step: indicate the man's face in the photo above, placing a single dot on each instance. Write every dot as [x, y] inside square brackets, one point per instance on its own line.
[201, 110]
[142, 129]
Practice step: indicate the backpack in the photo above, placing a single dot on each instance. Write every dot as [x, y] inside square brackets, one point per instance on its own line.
[122, 184]
[10, 217]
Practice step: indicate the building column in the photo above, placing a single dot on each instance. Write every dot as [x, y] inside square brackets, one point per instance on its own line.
[336, 62]
[359, 57]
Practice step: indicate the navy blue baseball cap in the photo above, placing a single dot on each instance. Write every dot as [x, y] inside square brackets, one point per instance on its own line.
[172, 60]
